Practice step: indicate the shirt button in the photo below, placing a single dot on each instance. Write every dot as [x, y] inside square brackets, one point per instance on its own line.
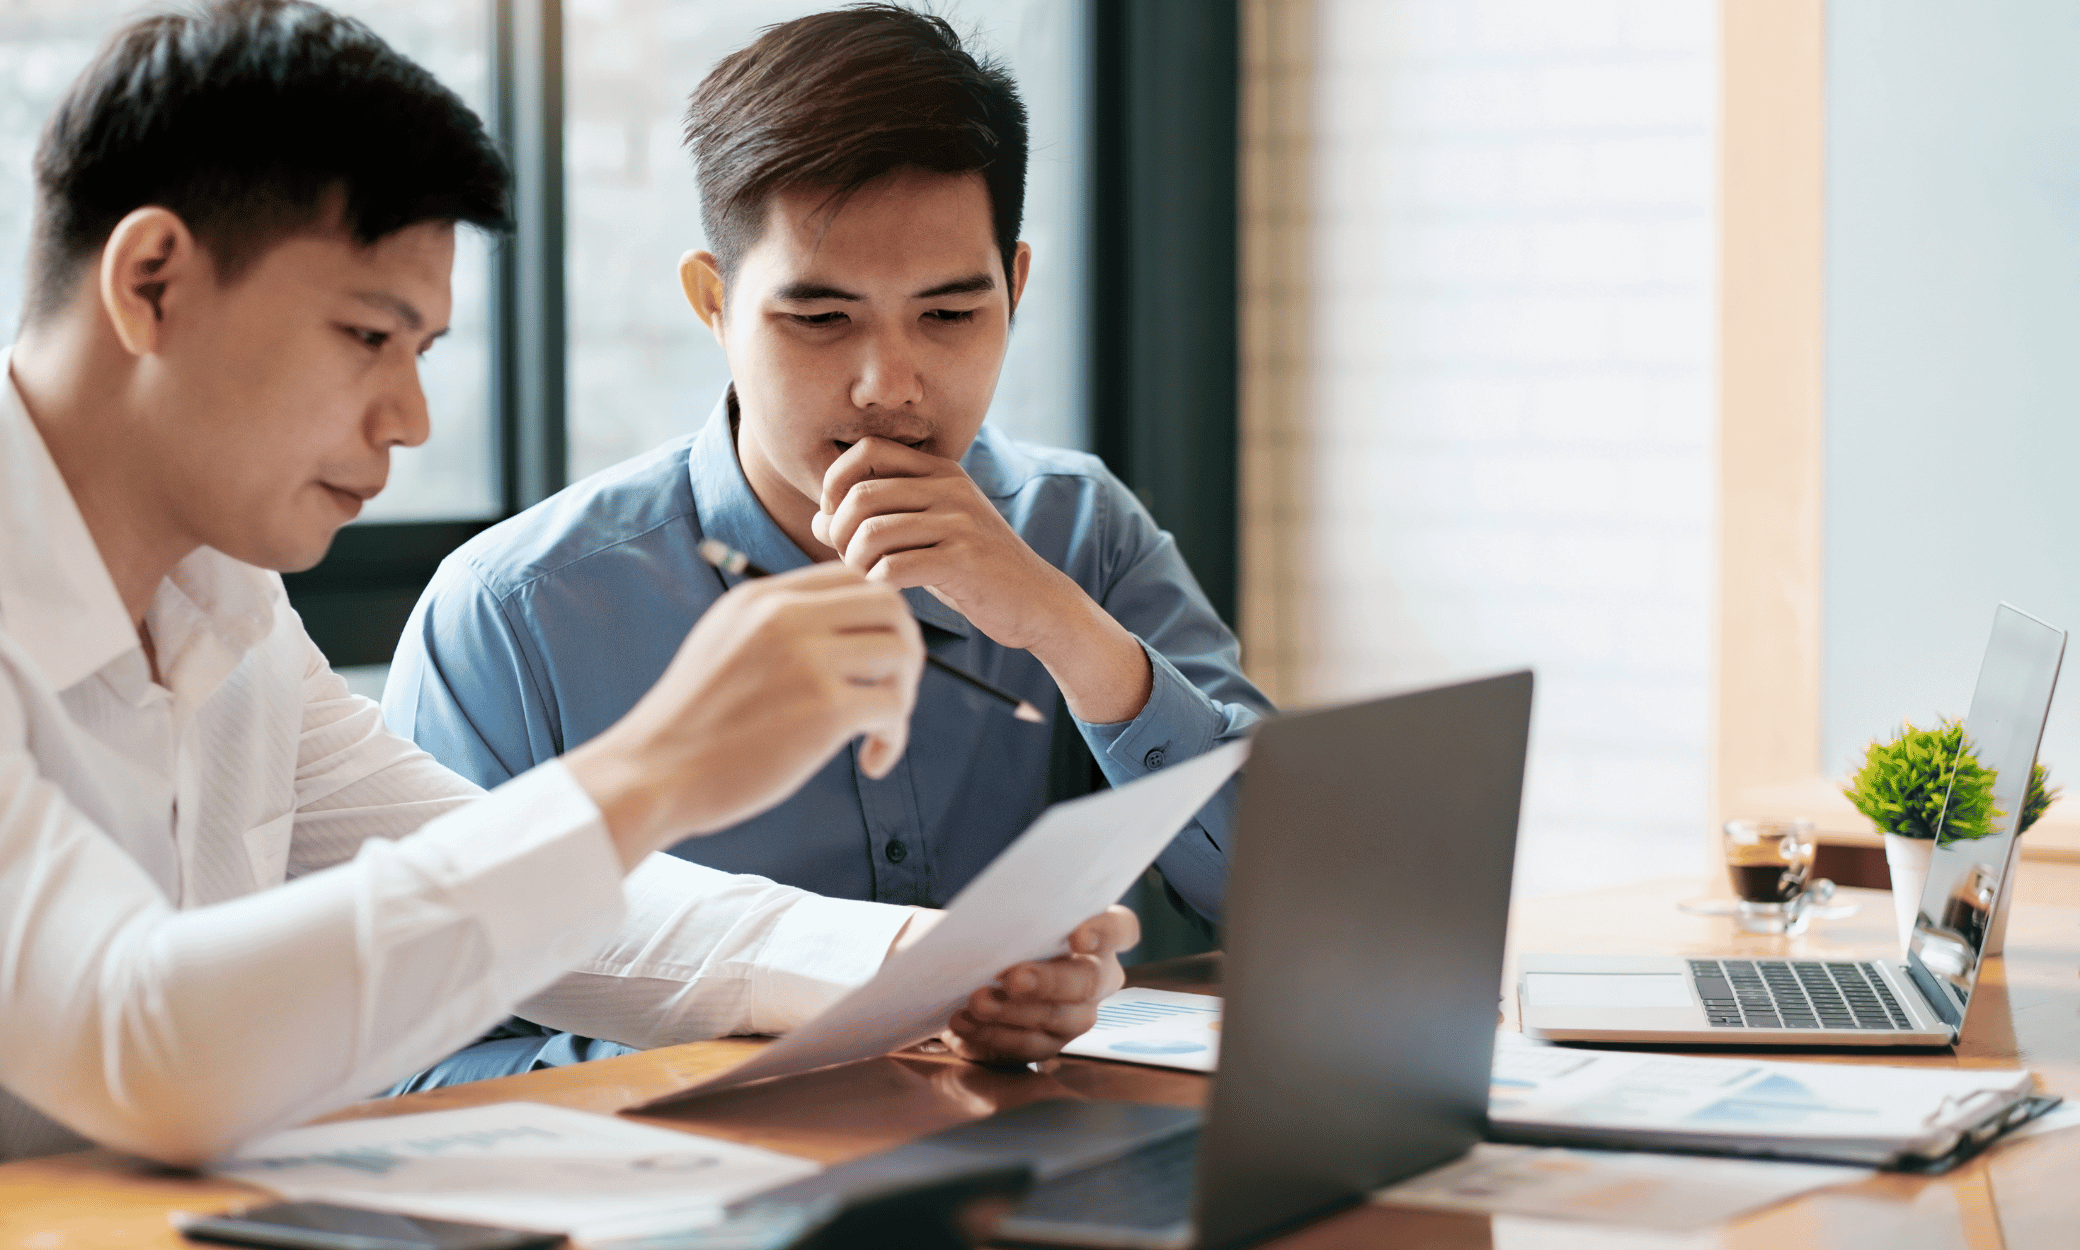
[1154, 758]
[896, 852]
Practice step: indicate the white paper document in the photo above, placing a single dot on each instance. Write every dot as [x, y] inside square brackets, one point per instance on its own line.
[1859, 1112]
[1075, 861]
[517, 1165]
[1159, 1027]
[1672, 1192]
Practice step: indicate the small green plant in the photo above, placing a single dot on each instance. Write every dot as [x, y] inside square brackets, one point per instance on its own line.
[1904, 786]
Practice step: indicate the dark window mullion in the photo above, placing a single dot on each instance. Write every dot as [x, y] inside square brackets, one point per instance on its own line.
[528, 378]
[1165, 343]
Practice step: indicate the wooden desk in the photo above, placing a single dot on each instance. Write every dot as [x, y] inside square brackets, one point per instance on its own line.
[2018, 1197]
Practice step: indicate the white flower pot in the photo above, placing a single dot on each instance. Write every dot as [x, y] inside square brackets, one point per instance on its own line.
[1907, 858]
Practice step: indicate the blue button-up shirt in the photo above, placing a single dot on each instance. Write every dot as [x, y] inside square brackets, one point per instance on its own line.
[545, 629]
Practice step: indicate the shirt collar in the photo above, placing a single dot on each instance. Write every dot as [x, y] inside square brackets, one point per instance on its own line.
[59, 604]
[731, 513]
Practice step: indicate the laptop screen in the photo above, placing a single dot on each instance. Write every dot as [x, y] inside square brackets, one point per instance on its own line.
[1966, 872]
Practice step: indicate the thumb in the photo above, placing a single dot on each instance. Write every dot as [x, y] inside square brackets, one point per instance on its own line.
[1115, 929]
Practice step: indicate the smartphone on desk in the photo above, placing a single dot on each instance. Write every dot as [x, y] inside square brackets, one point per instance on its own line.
[324, 1226]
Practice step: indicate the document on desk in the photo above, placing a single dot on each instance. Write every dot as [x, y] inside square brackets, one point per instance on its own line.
[1071, 864]
[517, 1165]
[1670, 1192]
[1159, 1027]
[1860, 1113]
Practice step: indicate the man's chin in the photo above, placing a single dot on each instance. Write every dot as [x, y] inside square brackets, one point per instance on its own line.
[298, 554]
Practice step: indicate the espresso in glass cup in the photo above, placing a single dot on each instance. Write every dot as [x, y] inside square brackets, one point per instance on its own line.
[1769, 863]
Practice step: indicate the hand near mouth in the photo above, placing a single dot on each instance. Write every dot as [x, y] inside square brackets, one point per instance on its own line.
[905, 517]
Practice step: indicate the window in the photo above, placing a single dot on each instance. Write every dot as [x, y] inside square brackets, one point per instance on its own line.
[43, 46]
[454, 476]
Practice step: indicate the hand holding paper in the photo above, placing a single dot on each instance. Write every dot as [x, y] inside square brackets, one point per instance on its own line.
[1036, 1008]
[1075, 860]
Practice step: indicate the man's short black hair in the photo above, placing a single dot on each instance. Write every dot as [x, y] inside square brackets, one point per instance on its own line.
[834, 101]
[244, 118]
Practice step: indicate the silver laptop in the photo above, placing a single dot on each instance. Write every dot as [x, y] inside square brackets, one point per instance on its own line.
[1918, 1001]
[1368, 893]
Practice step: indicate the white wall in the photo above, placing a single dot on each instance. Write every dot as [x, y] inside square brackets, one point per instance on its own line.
[1510, 441]
[1953, 351]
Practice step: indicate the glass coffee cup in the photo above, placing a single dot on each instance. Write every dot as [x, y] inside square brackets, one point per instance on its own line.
[1770, 863]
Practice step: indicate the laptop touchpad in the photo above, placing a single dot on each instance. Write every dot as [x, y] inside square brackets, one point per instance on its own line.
[1598, 989]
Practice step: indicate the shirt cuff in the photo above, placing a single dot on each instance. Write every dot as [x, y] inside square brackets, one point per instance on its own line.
[1177, 723]
[531, 862]
[821, 950]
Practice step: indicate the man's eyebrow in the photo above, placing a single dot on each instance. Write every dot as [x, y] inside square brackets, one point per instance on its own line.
[393, 304]
[973, 284]
[798, 291]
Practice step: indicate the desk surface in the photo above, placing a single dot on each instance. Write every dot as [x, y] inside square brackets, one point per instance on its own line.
[2027, 1012]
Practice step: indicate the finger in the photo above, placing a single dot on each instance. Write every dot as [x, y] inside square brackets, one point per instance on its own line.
[853, 605]
[824, 576]
[863, 658]
[1067, 1018]
[992, 1043]
[878, 714]
[1063, 979]
[879, 536]
[1112, 930]
[878, 673]
[879, 497]
[870, 458]
[880, 751]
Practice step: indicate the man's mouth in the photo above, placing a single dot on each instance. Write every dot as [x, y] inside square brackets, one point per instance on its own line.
[351, 497]
[914, 444]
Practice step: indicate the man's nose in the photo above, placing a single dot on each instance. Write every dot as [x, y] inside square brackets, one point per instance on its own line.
[888, 374]
[400, 417]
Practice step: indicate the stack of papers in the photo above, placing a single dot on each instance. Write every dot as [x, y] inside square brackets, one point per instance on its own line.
[518, 1165]
[1852, 1113]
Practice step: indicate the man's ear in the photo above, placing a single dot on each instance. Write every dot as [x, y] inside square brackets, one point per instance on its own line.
[150, 260]
[1021, 267]
[700, 276]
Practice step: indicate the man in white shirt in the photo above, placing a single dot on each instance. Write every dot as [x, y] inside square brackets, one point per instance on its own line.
[229, 898]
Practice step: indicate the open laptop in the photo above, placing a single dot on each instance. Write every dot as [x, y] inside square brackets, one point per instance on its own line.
[1368, 893]
[1917, 1001]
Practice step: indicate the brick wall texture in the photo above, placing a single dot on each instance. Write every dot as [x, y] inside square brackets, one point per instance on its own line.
[1479, 272]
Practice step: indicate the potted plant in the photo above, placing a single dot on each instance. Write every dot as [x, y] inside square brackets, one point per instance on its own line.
[1924, 780]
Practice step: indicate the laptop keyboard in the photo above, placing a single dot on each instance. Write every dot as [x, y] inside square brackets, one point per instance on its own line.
[1148, 1188]
[1794, 994]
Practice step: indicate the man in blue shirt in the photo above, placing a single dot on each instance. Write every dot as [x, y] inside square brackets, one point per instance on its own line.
[862, 179]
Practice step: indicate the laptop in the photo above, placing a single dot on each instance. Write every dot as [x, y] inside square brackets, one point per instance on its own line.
[1369, 876]
[1916, 1001]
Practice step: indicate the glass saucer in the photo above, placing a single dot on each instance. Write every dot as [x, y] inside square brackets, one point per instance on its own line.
[1839, 909]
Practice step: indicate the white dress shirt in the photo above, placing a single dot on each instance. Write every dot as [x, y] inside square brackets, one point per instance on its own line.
[236, 901]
